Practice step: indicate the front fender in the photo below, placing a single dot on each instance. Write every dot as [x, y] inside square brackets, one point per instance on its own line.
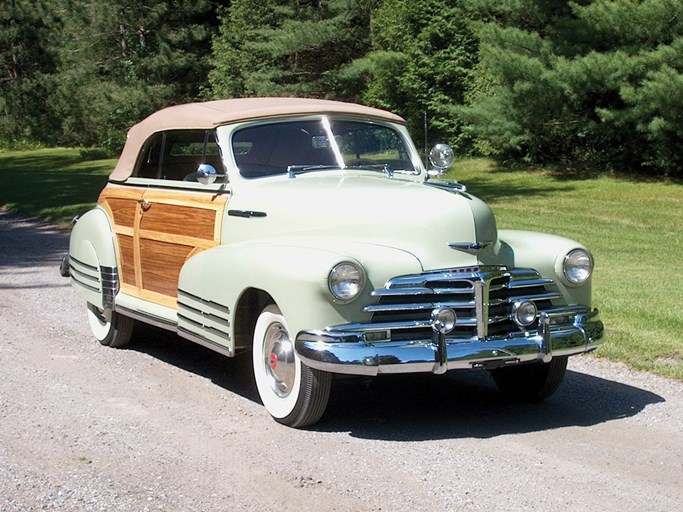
[294, 275]
[545, 253]
[92, 259]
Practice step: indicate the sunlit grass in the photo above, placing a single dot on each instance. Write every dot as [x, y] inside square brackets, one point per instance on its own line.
[634, 229]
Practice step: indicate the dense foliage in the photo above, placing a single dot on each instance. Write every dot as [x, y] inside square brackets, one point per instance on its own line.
[595, 83]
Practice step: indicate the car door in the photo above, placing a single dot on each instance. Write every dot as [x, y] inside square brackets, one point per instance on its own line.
[165, 218]
[174, 226]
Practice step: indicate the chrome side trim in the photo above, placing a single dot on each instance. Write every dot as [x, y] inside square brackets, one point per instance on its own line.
[110, 286]
[168, 325]
[199, 340]
[103, 280]
[204, 321]
[156, 321]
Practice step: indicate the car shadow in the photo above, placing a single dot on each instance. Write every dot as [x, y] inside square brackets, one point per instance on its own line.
[467, 404]
[230, 373]
[418, 407]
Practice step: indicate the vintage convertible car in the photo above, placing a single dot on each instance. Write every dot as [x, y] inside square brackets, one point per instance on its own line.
[310, 233]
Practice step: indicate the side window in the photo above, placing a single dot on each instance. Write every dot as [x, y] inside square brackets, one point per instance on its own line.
[150, 157]
[176, 155]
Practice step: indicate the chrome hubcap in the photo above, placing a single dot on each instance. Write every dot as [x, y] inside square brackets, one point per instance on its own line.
[278, 355]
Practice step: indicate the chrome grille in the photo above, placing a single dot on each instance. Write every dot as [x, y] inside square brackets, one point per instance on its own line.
[482, 298]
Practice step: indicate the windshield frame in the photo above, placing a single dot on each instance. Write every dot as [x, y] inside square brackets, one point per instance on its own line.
[228, 132]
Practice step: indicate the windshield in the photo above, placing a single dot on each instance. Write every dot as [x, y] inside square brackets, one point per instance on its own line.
[301, 146]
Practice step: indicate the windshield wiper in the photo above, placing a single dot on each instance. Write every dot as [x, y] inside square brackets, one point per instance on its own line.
[293, 170]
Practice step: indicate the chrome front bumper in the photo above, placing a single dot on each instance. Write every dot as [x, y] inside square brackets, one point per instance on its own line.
[562, 332]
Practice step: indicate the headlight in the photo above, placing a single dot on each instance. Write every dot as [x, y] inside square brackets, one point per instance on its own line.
[578, 266]
[346, 281]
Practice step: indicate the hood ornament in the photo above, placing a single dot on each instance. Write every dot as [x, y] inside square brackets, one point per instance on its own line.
[469, 247]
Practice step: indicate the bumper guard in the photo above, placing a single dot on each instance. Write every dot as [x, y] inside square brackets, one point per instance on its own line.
[561, 332]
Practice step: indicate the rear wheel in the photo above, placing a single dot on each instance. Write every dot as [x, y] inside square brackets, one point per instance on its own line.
[531, 382]
[109, 327]
[293, 394]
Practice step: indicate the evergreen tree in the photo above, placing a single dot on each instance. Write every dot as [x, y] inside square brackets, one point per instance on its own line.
[123, 59]
[597, 82]
[288, 47]
[422, 60]
[28, 64]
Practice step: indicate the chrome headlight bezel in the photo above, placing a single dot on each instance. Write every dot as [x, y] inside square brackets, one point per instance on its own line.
[346, 281]
[577, 267]
[524, 313]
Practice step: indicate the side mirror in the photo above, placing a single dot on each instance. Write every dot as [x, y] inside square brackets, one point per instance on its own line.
[206, 174]
[441, 157]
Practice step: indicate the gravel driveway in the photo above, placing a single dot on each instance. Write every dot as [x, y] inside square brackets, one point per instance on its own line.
[167, 425]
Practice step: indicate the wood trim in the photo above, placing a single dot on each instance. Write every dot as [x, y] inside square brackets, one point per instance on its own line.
[183, 221]
[174, 226]
[155, 240]
[161, 264]
[115, 200]
[127, 260]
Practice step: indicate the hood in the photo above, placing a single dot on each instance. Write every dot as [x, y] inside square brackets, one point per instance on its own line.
[365, 207]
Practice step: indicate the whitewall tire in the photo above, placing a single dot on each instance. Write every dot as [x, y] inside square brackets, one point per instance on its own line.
[292, 393]
[109, 327]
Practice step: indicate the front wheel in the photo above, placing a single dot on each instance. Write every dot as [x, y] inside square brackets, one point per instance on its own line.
[531, 382]
[109, 327]
[293, 394]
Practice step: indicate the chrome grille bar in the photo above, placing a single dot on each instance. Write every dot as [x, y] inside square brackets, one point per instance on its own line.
[482, 298]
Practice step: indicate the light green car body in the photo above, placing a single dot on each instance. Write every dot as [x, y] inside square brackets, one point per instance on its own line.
[306, 224]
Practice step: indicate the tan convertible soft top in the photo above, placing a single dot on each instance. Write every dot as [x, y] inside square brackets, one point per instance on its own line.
[210, 114]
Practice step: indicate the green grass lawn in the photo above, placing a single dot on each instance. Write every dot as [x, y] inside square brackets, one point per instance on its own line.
[55, 184]
[633, 227]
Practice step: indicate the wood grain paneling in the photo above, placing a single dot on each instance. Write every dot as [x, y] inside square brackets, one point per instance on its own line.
[180, 220]
[123, 211]
[161, 263]
[157, 231]
[127, 255]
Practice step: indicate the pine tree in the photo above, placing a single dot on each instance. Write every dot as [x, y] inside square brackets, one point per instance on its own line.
[123, 59]
[597, 83]
[28, 64]
[422, 59]
[288, 48]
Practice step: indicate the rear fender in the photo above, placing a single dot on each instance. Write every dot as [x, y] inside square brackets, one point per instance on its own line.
[92, 259]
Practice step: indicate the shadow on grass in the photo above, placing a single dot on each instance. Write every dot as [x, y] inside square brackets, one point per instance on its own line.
[460, 404]
[53, 184]
[496, 183]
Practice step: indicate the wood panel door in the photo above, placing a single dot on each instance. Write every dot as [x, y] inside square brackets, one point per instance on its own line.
[174, 226]
[157, 232]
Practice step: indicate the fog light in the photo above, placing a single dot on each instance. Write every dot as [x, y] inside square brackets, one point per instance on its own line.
[524, 313]
[443, 320]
